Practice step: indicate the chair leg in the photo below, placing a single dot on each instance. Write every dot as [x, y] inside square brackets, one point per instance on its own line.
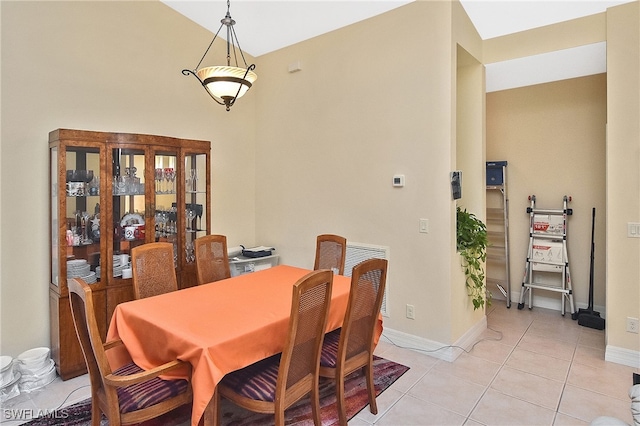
[315, 404]
[212, 411]
[96, 413]
[342, 410]
[368, 372]
[279, 416]
[278, 411]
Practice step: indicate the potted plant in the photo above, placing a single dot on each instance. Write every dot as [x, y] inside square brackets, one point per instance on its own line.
[472, 243]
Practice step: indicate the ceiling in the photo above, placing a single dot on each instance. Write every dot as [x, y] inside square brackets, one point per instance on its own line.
[263, 26]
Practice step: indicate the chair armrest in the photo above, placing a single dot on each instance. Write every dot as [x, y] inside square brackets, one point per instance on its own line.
[112, 344]
[143, 376]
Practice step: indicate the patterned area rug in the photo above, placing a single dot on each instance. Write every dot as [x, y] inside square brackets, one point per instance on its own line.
[385, 373]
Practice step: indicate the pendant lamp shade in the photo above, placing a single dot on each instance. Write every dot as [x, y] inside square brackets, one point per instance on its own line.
[225, 83]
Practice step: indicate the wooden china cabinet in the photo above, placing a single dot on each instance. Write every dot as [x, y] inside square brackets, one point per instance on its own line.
[111, 192]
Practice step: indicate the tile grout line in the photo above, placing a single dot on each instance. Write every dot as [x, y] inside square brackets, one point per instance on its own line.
[488, 386]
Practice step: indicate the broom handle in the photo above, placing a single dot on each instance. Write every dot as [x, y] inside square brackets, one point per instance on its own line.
[593, 224]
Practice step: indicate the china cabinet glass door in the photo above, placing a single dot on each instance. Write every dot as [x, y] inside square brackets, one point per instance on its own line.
[55, 217]
[82, 213]
[166, 213]
[196, 207]
[128, 206]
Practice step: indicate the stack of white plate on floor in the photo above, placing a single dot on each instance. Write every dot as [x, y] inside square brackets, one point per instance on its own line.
[37, 369]
[8, 379]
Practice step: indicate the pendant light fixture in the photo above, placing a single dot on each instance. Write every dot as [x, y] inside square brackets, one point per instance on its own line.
[225, 83]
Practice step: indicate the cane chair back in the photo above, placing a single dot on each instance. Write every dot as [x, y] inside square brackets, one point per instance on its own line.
[129, 394]
[212, 259]
[274, 384]
[351, 347]
[330, 253]
[154, 272]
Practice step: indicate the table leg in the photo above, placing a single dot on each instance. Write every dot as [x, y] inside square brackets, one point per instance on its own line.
[211, 415]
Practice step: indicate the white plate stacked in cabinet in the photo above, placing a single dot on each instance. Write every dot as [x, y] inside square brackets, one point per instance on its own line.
[36, 368]
[80, 268]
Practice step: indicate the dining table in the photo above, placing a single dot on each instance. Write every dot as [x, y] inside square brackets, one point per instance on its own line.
[217, 327]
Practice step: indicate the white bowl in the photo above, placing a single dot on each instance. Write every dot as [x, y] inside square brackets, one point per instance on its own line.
[30, 383]
[35, 357]
[40, 371]
[6, 375]
[11, 389]
[5, 363]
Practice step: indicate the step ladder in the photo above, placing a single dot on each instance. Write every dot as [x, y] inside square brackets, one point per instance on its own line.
[547, 254]
[498, 271]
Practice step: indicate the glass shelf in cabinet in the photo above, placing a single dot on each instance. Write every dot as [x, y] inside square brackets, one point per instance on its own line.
[126, 194]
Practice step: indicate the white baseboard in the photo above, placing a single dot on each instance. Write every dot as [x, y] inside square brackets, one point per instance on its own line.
[554, 303]
[435, 349]
[615, 354]
[622, 356]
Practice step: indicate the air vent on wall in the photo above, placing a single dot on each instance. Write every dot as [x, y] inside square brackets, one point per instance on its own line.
[358, 252]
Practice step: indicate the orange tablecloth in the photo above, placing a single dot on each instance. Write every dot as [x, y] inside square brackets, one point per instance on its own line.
[217, 327]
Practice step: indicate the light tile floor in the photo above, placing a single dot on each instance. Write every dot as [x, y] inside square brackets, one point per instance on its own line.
[533, 367]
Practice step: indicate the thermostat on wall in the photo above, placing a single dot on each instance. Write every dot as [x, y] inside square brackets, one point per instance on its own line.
[398, 180]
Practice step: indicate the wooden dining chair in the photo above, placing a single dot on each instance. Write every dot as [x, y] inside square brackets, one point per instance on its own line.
[129, 394]
[274, 384]
[153, 271]
[351, 347]
[212, 259]
[330, 253]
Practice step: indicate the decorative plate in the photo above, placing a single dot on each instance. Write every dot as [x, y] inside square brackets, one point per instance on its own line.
[132, 219]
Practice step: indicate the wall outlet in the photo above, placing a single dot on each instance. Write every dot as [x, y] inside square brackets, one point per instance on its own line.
[411, 313]
[633, 230]
[632, 325]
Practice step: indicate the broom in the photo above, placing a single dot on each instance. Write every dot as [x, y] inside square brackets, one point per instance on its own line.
[588, 317]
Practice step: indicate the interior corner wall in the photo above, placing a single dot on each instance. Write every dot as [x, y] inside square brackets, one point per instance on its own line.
[97, 66]
[470, 154]
[623, 180]
[468, 114]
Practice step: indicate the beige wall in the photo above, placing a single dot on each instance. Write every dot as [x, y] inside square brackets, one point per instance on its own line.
[468, 149]
[563, 35]
[623, 179]
[553, 137]
[97, 66]
[331, 137]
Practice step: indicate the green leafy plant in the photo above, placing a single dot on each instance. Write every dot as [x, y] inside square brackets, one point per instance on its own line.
[472, 245]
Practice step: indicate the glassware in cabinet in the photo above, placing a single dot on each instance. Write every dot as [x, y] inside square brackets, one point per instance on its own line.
[165, 215]
[196, 167]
